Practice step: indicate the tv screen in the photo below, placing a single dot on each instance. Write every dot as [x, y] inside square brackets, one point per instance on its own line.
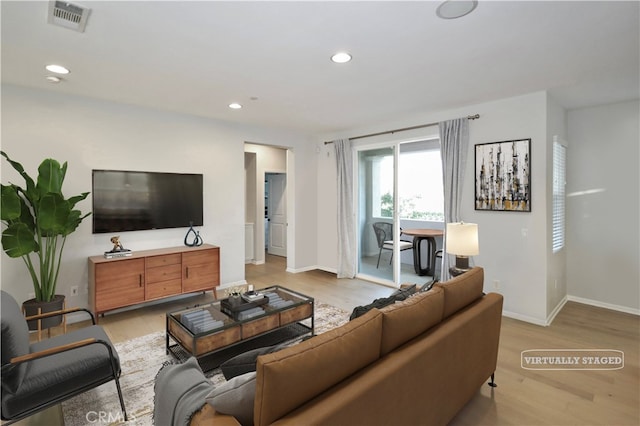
[134, 201]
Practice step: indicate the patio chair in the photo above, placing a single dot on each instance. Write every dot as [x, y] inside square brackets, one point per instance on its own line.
[39, 375]
[384, 235]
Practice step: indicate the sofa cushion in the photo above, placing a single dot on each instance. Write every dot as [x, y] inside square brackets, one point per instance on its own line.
[15, 342]
[290, 377]
[235, 397]
[405, 320]
[462, 290]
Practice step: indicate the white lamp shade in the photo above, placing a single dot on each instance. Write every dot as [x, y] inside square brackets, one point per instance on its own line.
[462, 239]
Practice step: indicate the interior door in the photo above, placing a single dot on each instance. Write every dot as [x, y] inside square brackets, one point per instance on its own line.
[277, 214]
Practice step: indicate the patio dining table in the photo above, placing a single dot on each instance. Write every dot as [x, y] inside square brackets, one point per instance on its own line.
[428, 235]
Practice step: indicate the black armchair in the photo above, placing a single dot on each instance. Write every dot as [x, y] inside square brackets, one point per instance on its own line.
[39, 375]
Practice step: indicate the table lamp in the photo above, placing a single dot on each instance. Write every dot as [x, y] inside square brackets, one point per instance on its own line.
[462, 241]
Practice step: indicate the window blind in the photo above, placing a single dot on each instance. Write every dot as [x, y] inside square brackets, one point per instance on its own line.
[559, 195]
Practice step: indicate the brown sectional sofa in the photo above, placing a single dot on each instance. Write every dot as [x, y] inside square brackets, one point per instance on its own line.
[416, 362]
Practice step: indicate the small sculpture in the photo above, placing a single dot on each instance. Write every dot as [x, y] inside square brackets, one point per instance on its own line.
[117, 245]
[197, 239]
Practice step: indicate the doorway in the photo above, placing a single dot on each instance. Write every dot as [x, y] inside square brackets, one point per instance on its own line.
[276, 213]
[269, 224]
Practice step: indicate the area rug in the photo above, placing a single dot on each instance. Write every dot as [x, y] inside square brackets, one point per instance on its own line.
[141, 358]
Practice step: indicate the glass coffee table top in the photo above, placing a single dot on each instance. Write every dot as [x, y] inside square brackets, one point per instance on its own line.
[221, 314]
[218, 330]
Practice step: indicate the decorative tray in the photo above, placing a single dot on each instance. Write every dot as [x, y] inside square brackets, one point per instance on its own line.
[228, 307]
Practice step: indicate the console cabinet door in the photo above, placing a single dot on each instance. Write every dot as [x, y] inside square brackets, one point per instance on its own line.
[119, 283]
[200, 270]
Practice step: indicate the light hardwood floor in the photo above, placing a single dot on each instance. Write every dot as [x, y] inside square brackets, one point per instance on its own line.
[523, 397]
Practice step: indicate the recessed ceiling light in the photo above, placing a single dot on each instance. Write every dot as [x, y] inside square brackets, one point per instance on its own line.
[58, 69]
[53, 79]
[452, 9]
[341, 57]
[235, 105]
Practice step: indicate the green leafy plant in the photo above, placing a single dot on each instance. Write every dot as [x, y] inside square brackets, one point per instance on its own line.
[38, 220]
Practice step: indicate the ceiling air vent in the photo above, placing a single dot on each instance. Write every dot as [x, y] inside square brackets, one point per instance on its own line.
[68, 15]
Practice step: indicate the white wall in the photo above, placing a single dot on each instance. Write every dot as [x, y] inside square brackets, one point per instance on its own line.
[91, 134]
[518, 262]
[602, 207]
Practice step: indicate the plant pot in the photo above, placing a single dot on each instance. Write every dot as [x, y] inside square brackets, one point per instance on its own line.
[31, 307]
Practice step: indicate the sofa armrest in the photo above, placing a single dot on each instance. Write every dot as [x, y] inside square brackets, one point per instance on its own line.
[208, 416]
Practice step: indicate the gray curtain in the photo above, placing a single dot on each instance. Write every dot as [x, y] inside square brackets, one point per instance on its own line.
[454, 143]
[346, 230]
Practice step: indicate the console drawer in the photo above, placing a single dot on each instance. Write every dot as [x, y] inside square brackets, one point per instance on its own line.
[168, 259]
[164, 288]
[164, 273]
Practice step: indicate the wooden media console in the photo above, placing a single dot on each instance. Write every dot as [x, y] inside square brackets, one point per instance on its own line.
[150, 275]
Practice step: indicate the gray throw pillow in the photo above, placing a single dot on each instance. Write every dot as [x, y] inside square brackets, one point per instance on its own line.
[379, 303]
[428, 285]
[402, 294]
[245, 362]
[235, 398]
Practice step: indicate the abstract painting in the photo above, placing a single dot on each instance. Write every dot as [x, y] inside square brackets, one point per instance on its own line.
[503, 176]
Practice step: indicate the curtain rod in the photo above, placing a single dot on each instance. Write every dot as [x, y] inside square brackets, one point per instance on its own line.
[388, 132]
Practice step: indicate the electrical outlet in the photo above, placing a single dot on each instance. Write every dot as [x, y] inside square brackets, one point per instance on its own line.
[496, 284]
[74, 290]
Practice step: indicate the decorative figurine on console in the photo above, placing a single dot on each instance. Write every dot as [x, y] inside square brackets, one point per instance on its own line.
[197, 239]
[117, 245]
[118, 250]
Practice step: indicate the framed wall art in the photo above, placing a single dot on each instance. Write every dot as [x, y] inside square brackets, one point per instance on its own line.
[503, 176]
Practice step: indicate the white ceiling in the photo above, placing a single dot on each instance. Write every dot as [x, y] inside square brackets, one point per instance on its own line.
[197, 57]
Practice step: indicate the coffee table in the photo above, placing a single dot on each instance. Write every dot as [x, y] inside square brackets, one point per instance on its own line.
[214, 333]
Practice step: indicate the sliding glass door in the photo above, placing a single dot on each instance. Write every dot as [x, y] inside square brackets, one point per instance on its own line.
[375, 192]
[398, 186]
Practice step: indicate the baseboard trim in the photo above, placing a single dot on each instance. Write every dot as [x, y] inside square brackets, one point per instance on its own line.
[599, 304]
[524, 318]
[330, 270]
[305, 269]
[557, 310]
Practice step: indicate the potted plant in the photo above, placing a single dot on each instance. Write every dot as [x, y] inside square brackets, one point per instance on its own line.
[38, 219]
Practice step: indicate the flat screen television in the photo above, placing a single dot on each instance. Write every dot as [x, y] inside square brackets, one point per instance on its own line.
[134, 201]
